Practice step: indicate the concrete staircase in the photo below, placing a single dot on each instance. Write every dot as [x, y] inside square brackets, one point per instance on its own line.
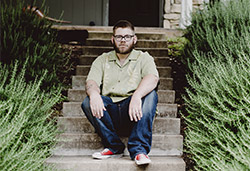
[79, 141]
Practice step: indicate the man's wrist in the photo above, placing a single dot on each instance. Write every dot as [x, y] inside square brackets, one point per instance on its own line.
[93, 94]
[137, 94]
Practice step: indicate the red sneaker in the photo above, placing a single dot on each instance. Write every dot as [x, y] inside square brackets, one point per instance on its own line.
[106, 153]
[141, 159]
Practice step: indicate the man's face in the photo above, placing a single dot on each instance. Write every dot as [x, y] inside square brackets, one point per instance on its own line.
[123, 40]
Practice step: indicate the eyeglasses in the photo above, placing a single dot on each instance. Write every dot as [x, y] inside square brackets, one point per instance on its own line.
[127, 38]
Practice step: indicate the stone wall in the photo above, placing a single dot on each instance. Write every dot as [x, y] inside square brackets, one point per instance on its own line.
[172, 12]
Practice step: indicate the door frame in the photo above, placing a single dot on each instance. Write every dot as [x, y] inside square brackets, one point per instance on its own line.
[161, 12]
[105, 13]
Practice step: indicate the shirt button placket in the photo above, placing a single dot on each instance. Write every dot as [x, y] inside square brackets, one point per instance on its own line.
[120, 73]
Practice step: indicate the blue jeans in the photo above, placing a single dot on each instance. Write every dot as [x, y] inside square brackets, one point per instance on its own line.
[116, 122]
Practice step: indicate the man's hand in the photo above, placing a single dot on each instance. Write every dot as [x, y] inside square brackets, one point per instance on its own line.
[96, 103]
[97, 106]
[135, 110]
[147, 84]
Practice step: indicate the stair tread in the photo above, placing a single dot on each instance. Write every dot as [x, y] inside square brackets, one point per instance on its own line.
[159, 67]
[161, 104]
[84, 77]
[121, 164]
[164, 96]
[72, 159]
[80, 124]
[110, 47]
[80, 117]
[94, 56]
[78, 134]
[141, 40]
[110, 28]
[159, 91]
[85, 144]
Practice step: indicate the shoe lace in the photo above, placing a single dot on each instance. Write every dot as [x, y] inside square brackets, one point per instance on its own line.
[105, 150]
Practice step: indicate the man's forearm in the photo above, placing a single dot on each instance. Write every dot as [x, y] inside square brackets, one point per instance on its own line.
[92, 88]
[147, 84]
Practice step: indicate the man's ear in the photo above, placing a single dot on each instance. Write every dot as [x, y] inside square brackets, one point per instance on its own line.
[135, 39]
[112, 39]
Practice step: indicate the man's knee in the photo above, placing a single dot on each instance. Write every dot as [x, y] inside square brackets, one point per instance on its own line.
[86, 108]
[85, 104]
[150, 102]
[152, 97]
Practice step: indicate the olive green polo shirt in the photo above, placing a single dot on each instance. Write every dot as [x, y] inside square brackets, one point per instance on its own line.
[119, 82]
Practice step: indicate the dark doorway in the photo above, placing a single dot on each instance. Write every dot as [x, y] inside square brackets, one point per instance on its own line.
[143, 13]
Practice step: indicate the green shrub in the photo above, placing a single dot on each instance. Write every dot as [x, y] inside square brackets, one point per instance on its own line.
[27, 132]
[218, 122]
[217, 102]
[26, 36]
[218, 27]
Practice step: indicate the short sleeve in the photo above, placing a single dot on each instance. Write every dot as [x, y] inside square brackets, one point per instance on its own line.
[148, 66]
[96, 71]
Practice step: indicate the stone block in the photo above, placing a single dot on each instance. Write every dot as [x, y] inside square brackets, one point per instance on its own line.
[166, 24]
[176, 8]
[172, 16]
[167, 6]
[197, 2]
[178, 1]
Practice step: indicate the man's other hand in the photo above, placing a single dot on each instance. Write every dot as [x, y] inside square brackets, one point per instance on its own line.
[135, 110]
[97, 106]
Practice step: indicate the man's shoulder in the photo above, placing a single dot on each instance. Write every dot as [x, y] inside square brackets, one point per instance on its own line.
[105, 55]
[142, 54]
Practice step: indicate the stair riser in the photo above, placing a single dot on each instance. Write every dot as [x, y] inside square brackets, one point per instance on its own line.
[169, 145]
[159, 61]
[99, 50]
[139, 44]
[78, 82]
[73, 109]
[163, 96]
[149, 36]
[164, 72]
[154, 152]
[82, 125]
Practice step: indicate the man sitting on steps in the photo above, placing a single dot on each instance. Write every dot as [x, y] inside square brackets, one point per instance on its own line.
[121, 97]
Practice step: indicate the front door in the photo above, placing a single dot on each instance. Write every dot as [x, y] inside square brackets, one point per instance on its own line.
[143, 13]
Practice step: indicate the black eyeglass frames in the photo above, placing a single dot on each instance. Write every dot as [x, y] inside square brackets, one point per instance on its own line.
[127, 37]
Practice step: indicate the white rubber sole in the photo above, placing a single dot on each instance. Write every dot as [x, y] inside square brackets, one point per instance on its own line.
[99, 156]
[143, 161]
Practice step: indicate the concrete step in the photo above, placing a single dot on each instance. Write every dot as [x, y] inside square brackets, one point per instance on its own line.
[169, 32]
[159, 61]
[98, 50]
[164, 96]
[82, 125]
[121, 164]
[86, 143]
[78, 82]
[163, 71]
[139, 44]
[73, 109]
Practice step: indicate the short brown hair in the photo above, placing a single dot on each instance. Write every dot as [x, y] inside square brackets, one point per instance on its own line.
[123, 24]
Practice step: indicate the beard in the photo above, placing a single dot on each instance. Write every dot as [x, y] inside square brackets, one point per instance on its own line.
[123, 50]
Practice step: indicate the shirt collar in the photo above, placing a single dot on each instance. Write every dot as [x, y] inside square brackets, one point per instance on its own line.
[132, 56]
